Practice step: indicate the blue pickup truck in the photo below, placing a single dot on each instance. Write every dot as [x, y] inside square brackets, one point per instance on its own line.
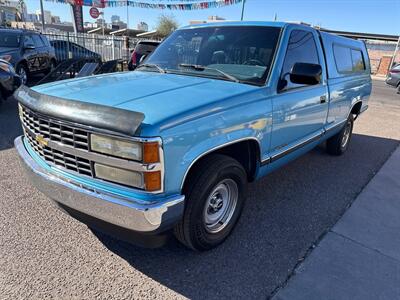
[172, 146]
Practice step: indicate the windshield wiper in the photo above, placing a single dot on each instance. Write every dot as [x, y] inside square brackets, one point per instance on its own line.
[161, 70]
[202, 68]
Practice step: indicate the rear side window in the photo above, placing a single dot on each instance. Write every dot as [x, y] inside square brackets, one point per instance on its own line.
[144, 48]
[348, 60]
[37, 40]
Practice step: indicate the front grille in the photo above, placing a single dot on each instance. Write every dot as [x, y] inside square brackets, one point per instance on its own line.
[51, 130]
[54, 131]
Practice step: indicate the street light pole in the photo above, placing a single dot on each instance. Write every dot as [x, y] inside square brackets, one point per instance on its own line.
[243, 3]
[42, 14]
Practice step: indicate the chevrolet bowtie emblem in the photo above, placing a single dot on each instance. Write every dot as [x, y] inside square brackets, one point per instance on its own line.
[41, 140]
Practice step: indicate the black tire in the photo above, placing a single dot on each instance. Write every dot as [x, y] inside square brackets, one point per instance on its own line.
[22, 68]
[214, 171]
[338, 144]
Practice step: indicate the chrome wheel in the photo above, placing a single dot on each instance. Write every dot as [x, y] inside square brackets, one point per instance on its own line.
[346, 135]
[22, 74]
[220, 205]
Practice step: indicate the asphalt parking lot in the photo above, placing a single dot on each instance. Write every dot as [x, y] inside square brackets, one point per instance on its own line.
[47, 254]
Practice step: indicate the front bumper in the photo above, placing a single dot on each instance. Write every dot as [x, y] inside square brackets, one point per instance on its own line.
[131, 214]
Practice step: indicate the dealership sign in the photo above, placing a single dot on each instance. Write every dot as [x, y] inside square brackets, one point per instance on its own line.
[94, 12]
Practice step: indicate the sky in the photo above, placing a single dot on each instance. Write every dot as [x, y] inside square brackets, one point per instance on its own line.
[371, 16]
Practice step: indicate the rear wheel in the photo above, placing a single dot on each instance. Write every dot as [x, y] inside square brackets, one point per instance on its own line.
[339, 143]
[215, 196]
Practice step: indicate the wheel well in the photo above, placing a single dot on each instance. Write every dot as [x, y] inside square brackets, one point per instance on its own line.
[21, 63]
[356, 108]
[247, 153]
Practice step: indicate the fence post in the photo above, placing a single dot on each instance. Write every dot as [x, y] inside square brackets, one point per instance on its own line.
[127, 47]
[112, 45]
[68, 48]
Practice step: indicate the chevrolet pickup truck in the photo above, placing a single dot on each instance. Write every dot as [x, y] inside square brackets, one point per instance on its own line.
[172, 146]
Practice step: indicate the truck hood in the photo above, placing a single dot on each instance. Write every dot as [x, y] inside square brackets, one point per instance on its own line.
[158, 96]
[7, 50]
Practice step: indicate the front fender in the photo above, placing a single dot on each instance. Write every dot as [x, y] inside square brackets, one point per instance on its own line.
[188, 142]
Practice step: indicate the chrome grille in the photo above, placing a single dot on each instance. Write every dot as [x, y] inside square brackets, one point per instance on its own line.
[54, 131]
[69, 136]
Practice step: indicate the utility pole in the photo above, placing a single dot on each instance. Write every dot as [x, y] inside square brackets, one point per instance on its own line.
[243, 3]
[127, 17]
[42, 14]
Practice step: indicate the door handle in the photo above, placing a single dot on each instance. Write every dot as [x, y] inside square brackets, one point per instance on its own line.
[322, 99]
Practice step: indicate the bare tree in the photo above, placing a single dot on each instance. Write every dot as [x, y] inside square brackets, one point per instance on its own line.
[166, 24]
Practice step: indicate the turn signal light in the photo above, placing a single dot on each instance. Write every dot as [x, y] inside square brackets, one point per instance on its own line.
[152, 181]
[151, 153]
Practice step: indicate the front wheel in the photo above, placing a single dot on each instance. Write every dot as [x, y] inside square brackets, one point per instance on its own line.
[339, 143]
[22, 71]
[215, 197]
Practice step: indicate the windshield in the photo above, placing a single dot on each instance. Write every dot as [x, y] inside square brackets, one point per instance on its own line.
[243, 52]
[9, 39]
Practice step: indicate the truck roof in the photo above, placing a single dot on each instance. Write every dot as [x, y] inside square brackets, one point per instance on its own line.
[17, 30]
[238, 23]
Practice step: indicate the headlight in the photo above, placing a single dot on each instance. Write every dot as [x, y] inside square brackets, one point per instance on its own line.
[6, 57]
[6, 67]
[116, 147]
[125, 177]
[147, 152]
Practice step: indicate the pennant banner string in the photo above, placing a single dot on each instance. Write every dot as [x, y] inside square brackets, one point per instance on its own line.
[182, 5]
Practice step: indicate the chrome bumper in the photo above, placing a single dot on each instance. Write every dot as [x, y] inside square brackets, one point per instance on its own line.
[131, 214]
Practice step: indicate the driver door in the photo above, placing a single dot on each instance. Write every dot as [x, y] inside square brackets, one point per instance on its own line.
[299, 111]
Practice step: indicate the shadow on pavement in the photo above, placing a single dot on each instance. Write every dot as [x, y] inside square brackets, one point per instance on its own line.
[285, 214]
[10, 126]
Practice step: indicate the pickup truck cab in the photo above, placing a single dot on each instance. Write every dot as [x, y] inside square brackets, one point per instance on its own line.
[173, 145]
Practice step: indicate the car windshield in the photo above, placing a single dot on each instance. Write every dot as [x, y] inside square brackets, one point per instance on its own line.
[239, 53]
[9, 39]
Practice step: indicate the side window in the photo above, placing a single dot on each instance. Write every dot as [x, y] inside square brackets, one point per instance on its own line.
[358, 61]
[348, 60]
[28, 40]
[301, 49]
[343, 59]
[37, 41]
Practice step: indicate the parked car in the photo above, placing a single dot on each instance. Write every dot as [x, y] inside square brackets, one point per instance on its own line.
[394, 77]
[142, 49]
[174, 144]
[28, 51]
[67, 50]
[9, 80]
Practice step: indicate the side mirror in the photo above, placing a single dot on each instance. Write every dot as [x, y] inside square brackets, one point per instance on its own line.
[304, 73]
[29, 46]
